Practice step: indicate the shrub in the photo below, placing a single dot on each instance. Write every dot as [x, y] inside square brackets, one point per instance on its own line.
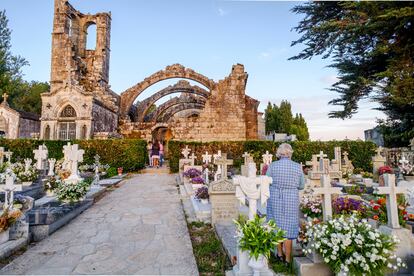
[127, 153]
[360, 153]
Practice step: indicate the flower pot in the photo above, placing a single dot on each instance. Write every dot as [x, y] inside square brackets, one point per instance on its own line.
[257, 264]
[204, 200]
[50, 193]
[27, 183]
[120, 170]
[4, 236]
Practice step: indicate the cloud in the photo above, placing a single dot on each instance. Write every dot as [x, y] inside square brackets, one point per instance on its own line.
[222, 12]
[272, 53]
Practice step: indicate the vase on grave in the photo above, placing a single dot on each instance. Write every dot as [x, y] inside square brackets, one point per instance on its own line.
[257, 264]
[27, 183]
[4, 236]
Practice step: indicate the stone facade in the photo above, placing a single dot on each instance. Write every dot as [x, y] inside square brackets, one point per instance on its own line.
[81, 104]
[17, 124]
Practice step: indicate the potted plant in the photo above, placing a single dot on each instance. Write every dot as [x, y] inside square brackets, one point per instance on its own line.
[202, 194]
[351, 246]
[71, 192]
[258, 238]
[7, 218]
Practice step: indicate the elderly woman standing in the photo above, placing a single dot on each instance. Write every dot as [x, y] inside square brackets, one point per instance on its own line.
[283, 204]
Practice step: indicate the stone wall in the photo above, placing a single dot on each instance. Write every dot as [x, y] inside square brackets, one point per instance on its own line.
[252, 130]
[104, 120]
[27, 127]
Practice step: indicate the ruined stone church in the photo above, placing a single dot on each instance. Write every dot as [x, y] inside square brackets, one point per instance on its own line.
[81, 104]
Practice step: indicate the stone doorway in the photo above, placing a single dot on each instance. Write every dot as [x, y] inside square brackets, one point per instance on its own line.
[162, 134]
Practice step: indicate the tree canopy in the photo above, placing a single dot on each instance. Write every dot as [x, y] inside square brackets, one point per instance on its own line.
[280, 120]
[371, 44]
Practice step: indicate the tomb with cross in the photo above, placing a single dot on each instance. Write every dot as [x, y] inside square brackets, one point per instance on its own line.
[40, 155]
[66, 157]
[186, 152]
[206, 160]
[406, 245]
[75, 156]
[322, 165]
[222, 162]
[5, 97]
[247, 160]
[9, 188]
[186, 161]
[326, 191]
[378, 161]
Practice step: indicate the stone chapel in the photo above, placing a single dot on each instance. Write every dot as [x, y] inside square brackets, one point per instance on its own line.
[81, 104]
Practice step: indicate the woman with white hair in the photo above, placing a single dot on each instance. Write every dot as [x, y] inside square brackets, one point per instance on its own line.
[283, 203]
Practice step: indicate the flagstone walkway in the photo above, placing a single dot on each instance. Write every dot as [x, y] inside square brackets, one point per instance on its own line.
[138, 228]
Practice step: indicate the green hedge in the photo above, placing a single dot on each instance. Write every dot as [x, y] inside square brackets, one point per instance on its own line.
[129, 154]
[360, 152]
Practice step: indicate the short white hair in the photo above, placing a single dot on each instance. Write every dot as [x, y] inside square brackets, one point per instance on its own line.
[284, 150]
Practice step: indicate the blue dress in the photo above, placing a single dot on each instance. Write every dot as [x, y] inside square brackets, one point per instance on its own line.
[283, 203]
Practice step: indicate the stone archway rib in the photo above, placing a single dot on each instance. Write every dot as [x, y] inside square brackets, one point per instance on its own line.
[174, 102]
[178, 108]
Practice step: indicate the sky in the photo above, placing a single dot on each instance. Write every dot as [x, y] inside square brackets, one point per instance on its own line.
[208, 36]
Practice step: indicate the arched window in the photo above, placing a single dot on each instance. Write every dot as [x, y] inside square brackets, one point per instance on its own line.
[3, 127]
[91, 37]
[68, 111]
[84, 132]
[46, 135]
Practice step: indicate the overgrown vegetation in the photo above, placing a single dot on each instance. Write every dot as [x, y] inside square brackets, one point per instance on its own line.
[208, 251]
[360, 153]
[130, 154]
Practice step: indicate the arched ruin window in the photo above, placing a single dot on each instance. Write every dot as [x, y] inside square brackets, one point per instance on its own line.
[91, 37]
[68, 111]
[84, 132]
[47, 133]
[3, 127]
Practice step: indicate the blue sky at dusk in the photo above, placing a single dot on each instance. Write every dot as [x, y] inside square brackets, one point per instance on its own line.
[206, 35]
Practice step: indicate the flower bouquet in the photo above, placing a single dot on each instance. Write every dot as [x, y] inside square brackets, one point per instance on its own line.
[311, 205]
[378, 210]
[351, 246]
[259, 238]
[346, 205]
[202, 194]
[71, 192]
[197, 180]
[23, 175]
[51, 184]
[192, 173]
[7, 218]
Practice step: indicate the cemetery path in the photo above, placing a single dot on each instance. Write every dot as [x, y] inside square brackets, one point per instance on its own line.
[138, 228]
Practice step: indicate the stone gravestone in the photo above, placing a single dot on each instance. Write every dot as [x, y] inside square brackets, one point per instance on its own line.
[40, 155]
[222, 162]
[206, 160]
[218, 172]
[224, 205]
[406, 246]
[8, 155]
[9, 188]
[267, 159]
[378, 161]
[326, 190]
[254, 188]
[52, 162]
[75, 156]
[186, 161]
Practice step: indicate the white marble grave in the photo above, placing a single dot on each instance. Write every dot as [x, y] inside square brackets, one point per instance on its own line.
[40, 155]
[75, 156]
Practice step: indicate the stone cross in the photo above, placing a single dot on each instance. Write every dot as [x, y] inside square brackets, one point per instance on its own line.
[215, 156]
[41, 155]
[193, 157]
[1, 155]
[206, 158]
[391, 191]
[322, 162]
[223, 162]
[66, 153]
[52, 162]
[9, 190]
[267, 158]
[326, 190]
[27, 164]
[5, 97]
[75, 156]
[8, 155]
[186, 151]
[97, 166]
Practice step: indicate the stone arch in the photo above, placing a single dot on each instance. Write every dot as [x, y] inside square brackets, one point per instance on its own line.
[173, 71]
[59, 108]
[173, 102]
[181, 86]
[165, 116]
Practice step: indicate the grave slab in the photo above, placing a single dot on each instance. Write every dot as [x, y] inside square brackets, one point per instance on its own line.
[109, 181]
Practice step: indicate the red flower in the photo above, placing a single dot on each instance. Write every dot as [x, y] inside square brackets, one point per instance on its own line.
[381, 201]
[384, 169]
[376, 207]
[375, 217]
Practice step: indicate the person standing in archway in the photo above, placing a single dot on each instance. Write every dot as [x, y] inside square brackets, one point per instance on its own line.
[149, 150]
[156, 154]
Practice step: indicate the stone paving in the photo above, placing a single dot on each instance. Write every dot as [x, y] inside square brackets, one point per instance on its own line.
[138, 228]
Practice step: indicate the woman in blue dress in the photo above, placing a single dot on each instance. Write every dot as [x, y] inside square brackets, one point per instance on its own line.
[283, 203]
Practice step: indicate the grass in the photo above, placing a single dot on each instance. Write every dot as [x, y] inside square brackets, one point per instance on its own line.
[280, 267]
[208, 251]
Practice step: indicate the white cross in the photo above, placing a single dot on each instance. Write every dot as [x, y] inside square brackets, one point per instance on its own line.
[40, 155]
[246, 156]
[391, 191]
[223, 162]
[8, 155]
[206, 158]
[27, 164]
[193, 157]
[52, 162]
[326, 190]
[186, 151]
[9, 190]
[75, 156]
[66, 159]
[267, 158]
[215, 156]
[379, 151]
[321, 161]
